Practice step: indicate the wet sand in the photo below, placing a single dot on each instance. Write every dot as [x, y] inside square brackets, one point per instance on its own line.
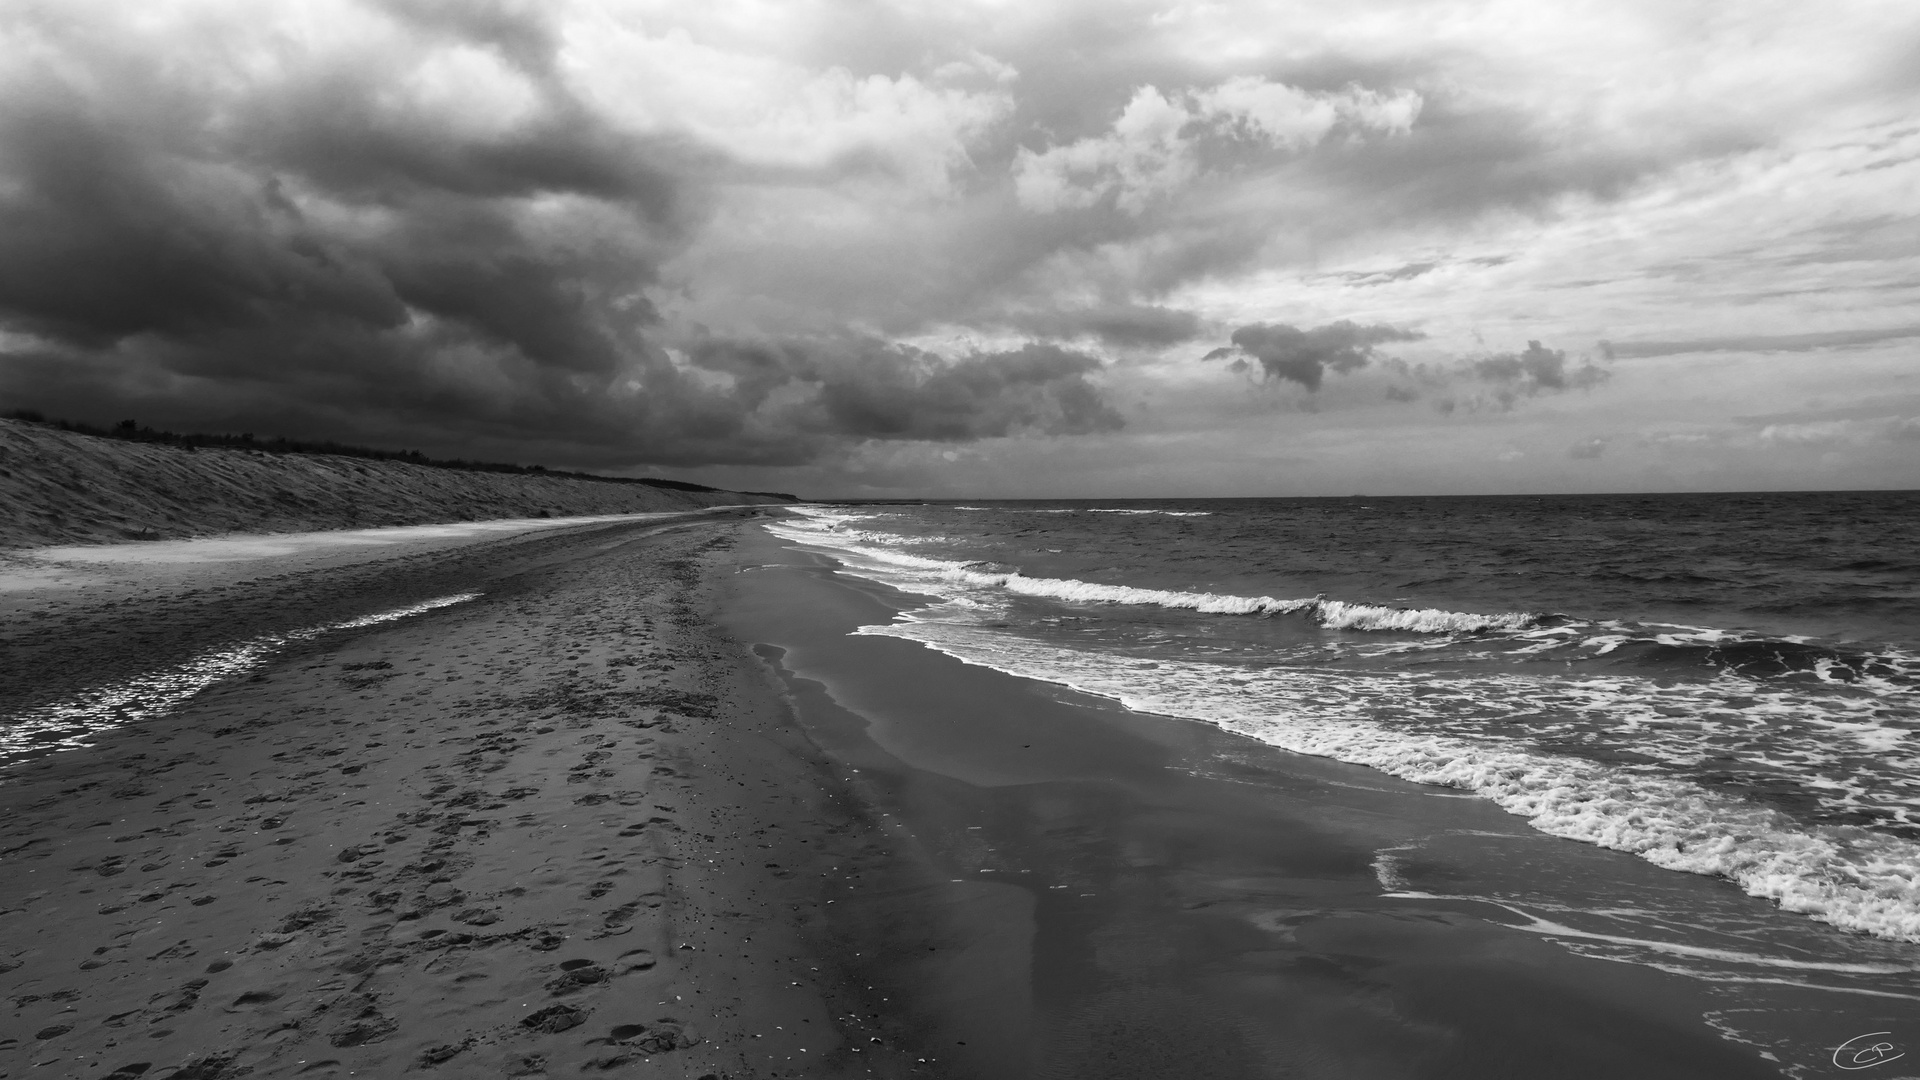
[1089, 892]
[563, 827]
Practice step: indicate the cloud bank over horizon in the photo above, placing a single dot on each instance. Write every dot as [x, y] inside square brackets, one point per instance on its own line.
[1058, 249]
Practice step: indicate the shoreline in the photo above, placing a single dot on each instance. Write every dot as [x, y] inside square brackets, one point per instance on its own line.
[1222, 878]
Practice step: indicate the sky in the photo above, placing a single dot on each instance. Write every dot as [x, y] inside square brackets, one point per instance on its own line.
[991, 249]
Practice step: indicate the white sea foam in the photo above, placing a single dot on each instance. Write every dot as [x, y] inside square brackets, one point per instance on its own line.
[1084, 510]
[1851, 877]
[1849, 751]
[1089, 592]
[1340, 615]
[79, 720]
[1539, 924]
[1333, 614]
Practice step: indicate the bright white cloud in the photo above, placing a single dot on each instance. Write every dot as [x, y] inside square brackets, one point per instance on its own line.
[770, 111]
[1152, 149]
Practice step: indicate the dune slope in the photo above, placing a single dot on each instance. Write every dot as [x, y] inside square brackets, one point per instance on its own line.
[60, 487]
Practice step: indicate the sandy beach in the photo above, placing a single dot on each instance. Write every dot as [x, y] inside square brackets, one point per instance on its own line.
[628, 797]
[560, 826]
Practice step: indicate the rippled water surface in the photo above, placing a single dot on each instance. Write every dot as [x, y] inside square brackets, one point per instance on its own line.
[1724, 684]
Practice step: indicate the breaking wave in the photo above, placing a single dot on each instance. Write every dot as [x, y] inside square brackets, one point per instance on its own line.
[1333, 614]
[1084, 510]
[1853, 878]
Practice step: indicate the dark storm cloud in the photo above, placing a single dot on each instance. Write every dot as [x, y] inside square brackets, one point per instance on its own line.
[872, 389]
[307, 251]
[1305, 356]
[305, 257]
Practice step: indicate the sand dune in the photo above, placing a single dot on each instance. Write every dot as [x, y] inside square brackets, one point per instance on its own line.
[65, 488]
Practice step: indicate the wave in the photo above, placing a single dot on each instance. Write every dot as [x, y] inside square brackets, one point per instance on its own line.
[1332, 614]
[1690, 651]
[1340, 615]
[1682, 650]
[1776, 658]
[1853, 878]
[1084, 510]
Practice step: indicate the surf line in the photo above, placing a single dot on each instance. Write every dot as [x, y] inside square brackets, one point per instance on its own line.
[75, 722]
[1548, 928]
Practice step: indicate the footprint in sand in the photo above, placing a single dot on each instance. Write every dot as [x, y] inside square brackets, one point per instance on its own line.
[555, 1019]
[660, 1037]
[440, 1055]
[368, 1027]
[252, 998]
[576, 975]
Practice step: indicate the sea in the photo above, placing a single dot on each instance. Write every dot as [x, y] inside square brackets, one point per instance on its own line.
[1720, 684]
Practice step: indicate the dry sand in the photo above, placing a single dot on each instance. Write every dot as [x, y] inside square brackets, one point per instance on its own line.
[63, 488]
[564, 827]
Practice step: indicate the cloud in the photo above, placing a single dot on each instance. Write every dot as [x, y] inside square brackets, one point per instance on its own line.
[1588, 449]
[332, 236]
[1121, 325]
[1538, 369]
[1758, 342]
[872, 389]
[656, 233]
[1153, 148]
[413, 230]
[1879, 429]
[1305, 356]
